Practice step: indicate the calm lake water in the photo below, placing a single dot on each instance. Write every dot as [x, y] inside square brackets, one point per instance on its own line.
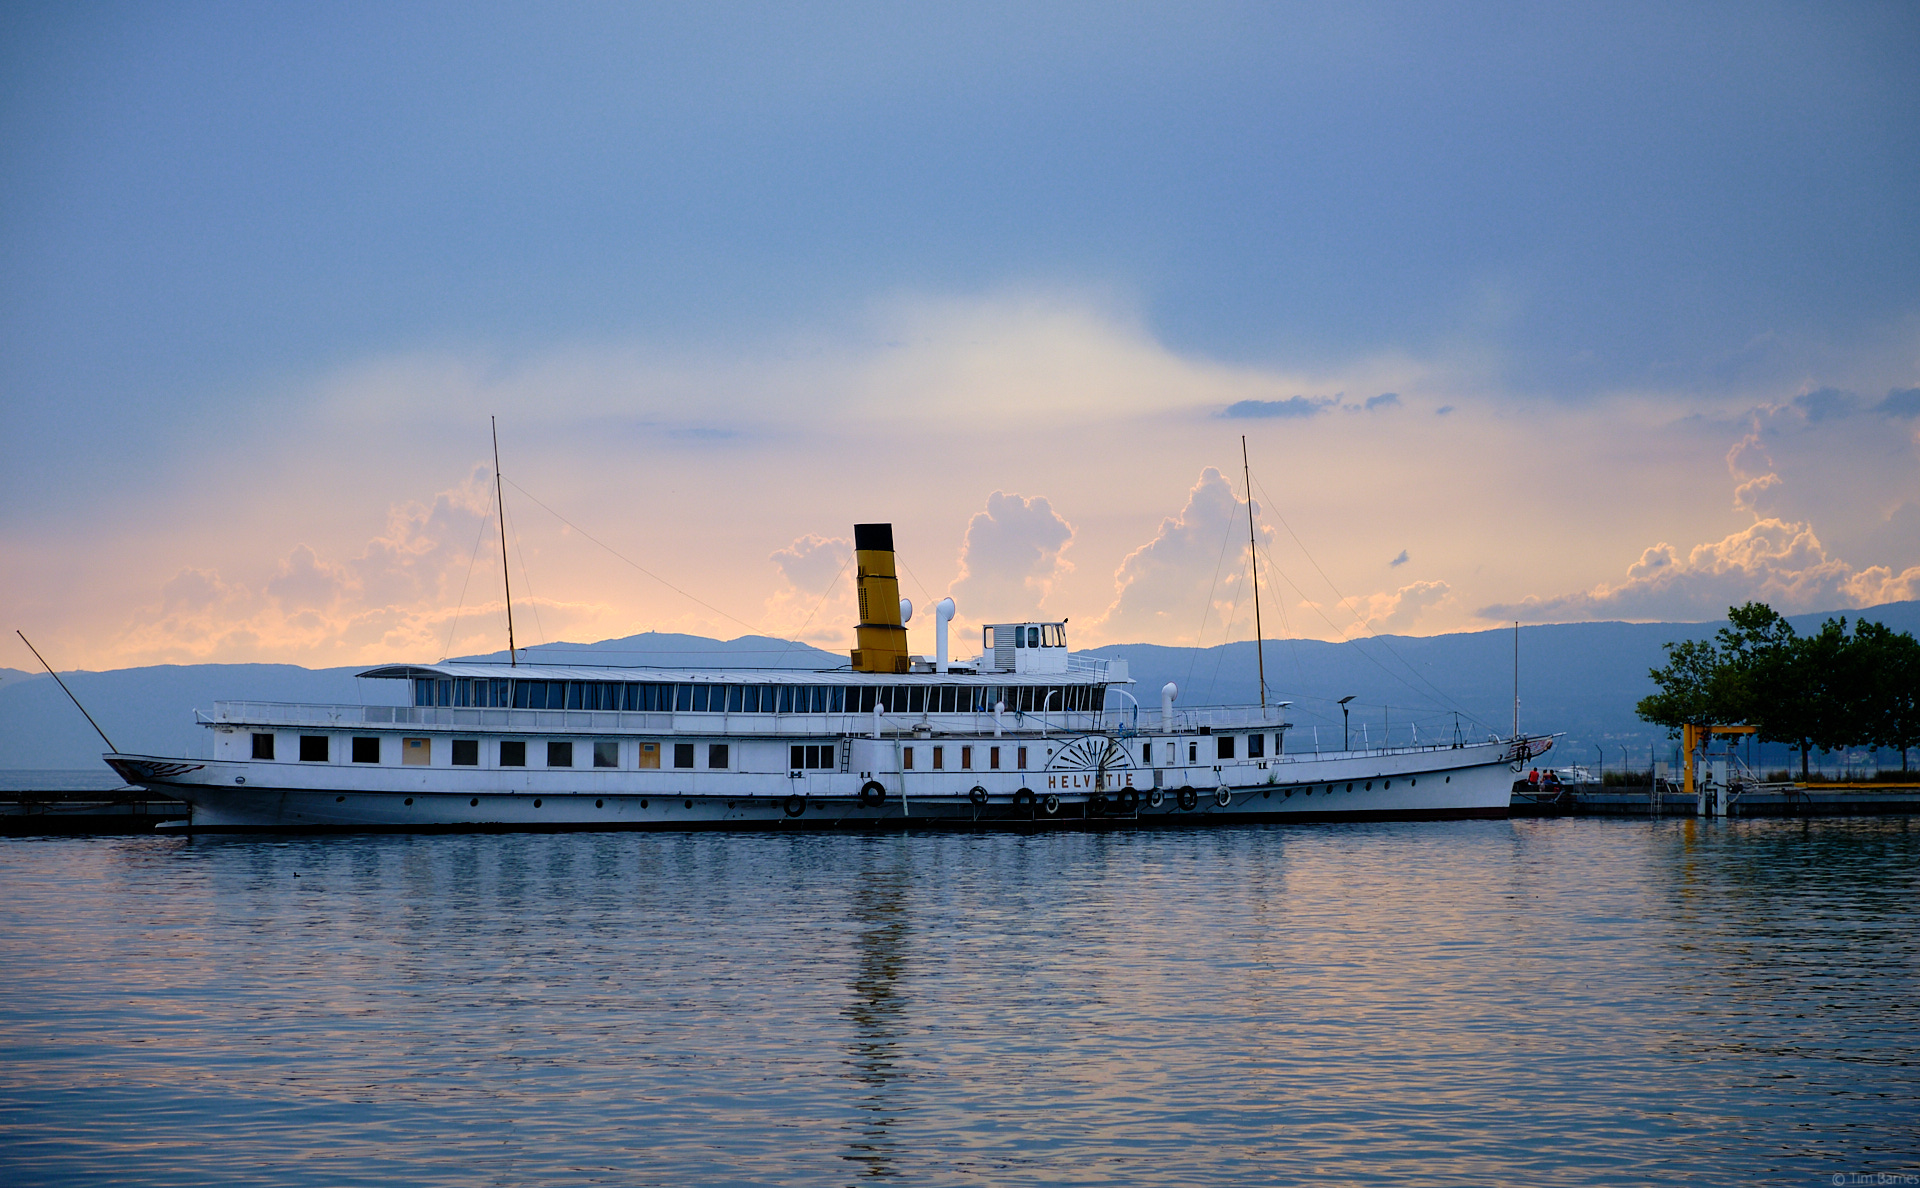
[1572, 1001]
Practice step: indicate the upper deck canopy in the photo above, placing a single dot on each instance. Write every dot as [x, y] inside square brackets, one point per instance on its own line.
[1081, 670]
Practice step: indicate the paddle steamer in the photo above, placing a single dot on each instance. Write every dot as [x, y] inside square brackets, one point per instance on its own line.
[1026, 733]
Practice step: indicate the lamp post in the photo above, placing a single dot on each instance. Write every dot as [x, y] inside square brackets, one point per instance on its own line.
[1343, 722]
[1602, 757]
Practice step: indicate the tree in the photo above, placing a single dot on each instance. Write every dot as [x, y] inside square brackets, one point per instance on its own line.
[1885, 668]
[1828, 689]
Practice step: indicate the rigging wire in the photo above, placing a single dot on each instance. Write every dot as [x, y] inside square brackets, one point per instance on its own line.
[752, 627]
[1206, 608]
[524, 579]
[1226, 640]
[635, 564]
[1346, 603]
[831, 587]
[455, 626]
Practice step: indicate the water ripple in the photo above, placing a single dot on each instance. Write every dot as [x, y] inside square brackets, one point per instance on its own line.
[1577, 1001]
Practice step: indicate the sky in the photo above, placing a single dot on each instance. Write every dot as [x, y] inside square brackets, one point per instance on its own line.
[1537, 312]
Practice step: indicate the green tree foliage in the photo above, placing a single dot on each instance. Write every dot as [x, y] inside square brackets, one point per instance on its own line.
[1829, 689]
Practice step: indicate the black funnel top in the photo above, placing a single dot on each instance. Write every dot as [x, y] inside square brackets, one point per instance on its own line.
[873, 536]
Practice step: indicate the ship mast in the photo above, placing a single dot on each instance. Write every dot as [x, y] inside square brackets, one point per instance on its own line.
[505, 577]
[1253, 555]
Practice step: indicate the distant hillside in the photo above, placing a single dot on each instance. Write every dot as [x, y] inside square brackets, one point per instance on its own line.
[1582, 679]
[150, 710]
[1579, 678]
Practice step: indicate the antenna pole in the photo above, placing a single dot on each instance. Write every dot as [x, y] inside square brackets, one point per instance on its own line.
[1253, 555]
[67, 691]
[1516, 678]
[506, 576]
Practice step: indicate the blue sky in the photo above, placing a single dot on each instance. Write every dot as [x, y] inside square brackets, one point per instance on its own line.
[224, 225]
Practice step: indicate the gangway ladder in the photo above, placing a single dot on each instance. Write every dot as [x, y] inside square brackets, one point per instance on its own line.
[1710, 793]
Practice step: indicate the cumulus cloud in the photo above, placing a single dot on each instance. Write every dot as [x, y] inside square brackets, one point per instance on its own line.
[1011, 558]
[1779, 563]
[1161, 588]
[1779, 558]
[815, 600]
[402, 595]
[1402, 609]
[1292, 406]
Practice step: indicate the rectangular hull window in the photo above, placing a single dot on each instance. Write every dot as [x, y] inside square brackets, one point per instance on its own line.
[466, 752]
[812, 758]
[717, 756]
[683, 754]
[559, 754]
[1223, 746]
[263, 746]
[966, 758]
[993, 758]
[513, 754]
[366, 750]
[313, 748]
[1256, 746]
[416, 752]
[606, 754]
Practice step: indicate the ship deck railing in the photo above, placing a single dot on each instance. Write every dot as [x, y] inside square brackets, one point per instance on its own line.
[682, 722]
[1190, 721]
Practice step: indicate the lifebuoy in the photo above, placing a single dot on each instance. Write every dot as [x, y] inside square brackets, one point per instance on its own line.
[978, 796]
[873, 794]
[1051, 804]
[1129, 800]
[1189, 799]
[796, 804]
[1223, 796]
[1156, 798]
[1023, 798]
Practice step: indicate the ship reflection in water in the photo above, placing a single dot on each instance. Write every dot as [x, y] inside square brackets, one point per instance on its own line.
[1577, 1001]
[876, 1007]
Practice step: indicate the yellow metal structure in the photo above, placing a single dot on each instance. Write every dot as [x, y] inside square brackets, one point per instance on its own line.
[881, 637]
[1694, 738]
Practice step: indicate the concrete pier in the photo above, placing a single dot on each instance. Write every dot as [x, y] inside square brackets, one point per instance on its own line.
[66, 811]
[1800, 800]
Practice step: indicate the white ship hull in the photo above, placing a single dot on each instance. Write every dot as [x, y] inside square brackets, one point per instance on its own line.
[1414, 783]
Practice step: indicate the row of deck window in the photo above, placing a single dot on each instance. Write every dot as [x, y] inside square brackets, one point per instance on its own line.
[465, 752]
[652, 697]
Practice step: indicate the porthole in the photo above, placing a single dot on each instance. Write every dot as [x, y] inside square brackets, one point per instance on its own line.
[1349, 788]
[1384, 784]
[643, 804]
[1369, 785]
[689, 804]
[1414, 783]
[1267, 794]
[409, 800]
[599, 804]
[536, 802]
[475, 802]
[1449, 779]
[339, 799]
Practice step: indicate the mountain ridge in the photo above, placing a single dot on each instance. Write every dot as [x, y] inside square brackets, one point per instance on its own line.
[1579, 679]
